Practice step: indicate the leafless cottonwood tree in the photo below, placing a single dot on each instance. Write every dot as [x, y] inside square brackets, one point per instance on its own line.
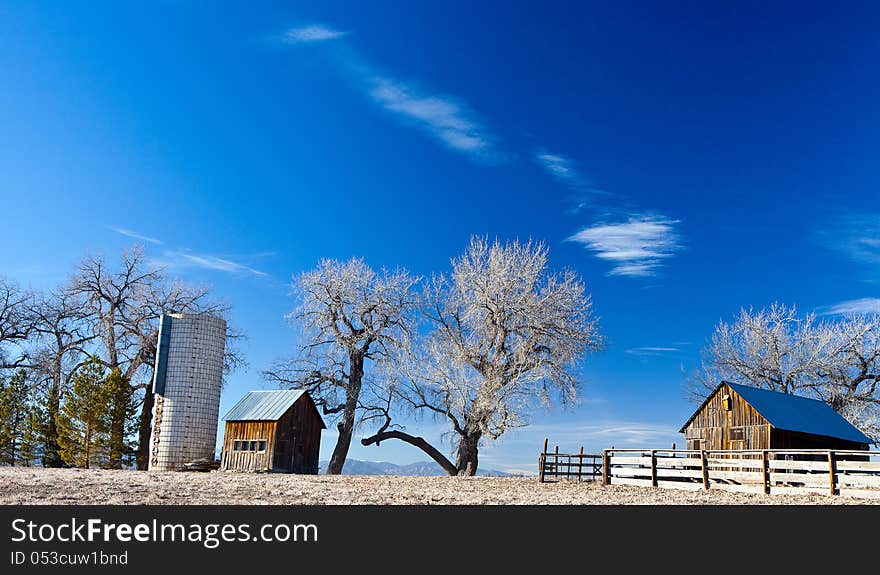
[836, 360]
[505, 334]
[353, 320]
[125, 305]
[16, 323]
[61, 334]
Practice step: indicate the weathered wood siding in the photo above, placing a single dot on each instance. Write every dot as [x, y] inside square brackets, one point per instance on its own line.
[716, 428]
[249, 431]
[299, 438]
[292, 443]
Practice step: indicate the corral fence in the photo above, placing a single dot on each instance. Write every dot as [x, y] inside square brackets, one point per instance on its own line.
[580, 466]
[830, 472]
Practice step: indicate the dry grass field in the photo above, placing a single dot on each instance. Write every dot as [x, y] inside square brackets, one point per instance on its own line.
[82, 486]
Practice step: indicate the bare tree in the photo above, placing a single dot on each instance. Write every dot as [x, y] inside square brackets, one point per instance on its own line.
[835, 360]
[505, 335]
[16, 323]
[351, 317]
[125, 305]
[60, 335]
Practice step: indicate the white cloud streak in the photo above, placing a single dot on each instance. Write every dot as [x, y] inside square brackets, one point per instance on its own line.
[187, 259]
[857, 236]
[565, 171]
[635, 247]
[865, 305]
[311, 34]
[651, 351]
[444, 118]
[440, 116]
[136, 235]
[560, 167]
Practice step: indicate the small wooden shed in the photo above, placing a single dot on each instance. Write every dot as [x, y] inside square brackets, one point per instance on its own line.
[742, 417]
[273, 431]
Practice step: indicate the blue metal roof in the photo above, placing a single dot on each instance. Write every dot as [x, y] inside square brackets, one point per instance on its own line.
[795, 413]
[264, 405]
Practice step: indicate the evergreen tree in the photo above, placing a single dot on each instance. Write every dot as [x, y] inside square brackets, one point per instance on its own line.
[14, 408]
[121, 409]
[33, 437]
[83, 421]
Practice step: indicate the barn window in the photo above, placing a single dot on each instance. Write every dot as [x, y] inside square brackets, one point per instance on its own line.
[725, 403]
[258, 445]
[736, 434]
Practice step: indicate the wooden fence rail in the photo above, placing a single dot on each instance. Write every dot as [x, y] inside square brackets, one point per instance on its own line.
[580, 466]
[852, 473]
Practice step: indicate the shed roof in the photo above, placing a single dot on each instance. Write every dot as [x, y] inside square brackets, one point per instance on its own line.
[796, 413]
[267, 405]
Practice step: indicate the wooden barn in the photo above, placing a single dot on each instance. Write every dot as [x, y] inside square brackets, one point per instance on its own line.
[273, 431]
[741, 417]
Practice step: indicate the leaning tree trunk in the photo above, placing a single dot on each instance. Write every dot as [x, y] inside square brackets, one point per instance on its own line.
[466, 457]
[145, 428]
[346, 424]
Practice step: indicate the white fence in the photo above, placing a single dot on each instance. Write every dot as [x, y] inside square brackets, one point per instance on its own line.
[848, 473]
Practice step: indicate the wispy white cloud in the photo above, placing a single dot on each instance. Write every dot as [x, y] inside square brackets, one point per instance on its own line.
[311, 34]
[136, 235]
[560, 167]
[188, 259]
[636, 247]
[857, 236]
[600, 435]
[565, 170]
[865, 305]
[445, 118]
[651, 351]
[440, 116]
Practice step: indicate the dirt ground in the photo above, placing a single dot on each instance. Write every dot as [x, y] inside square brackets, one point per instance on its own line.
[82, 486]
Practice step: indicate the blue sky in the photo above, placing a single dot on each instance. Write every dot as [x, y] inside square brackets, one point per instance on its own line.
[687, 158]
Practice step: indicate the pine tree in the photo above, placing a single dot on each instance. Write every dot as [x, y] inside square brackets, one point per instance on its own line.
[121, 410]
[14, 407]
[33, 437]
[83, 421]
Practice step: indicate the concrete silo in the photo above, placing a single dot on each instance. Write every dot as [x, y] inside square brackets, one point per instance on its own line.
[186, 383]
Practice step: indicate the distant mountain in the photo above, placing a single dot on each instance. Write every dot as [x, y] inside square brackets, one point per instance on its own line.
[419, 468]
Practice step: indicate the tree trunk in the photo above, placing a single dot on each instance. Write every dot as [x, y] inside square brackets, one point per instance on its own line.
[51, 449]
[88, 444]
[145, 429]
[419, 442]
[467, 454]
[346, 424]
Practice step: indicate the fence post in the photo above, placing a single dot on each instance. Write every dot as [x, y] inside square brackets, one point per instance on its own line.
[556, 463]
[606, 474]
[765, 468]
[653, 468]
[831, 471]
[541, 459]
[580, 463]
[705, 469]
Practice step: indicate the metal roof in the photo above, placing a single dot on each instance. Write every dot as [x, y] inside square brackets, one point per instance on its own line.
[264, 405]
[796, 413]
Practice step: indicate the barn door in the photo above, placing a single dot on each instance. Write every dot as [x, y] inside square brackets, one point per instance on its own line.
[735, 438]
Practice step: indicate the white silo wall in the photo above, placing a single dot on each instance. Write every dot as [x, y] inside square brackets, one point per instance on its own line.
[187, 402]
